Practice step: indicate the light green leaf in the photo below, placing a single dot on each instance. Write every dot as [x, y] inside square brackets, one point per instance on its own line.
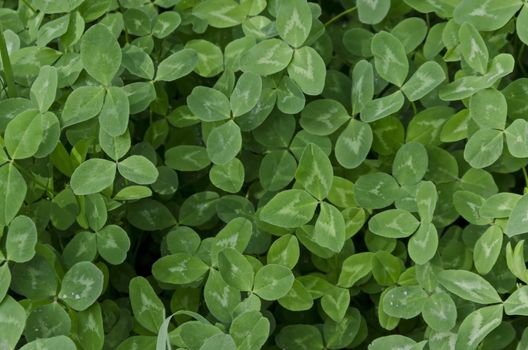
[187, 158]
[376, 190]
[516, 302]
[382, 107]
[390, 58]
[315, 173]
[518, 220]
[521, 25]
[294, 21]
[82, 104]
[267, 57]
[59, 342]
[44, 88]
[392, 342]
[246, 93]
[323, 117]
[284, 251]
[404, 302]
[180, 268]
[21, 239]
[353, 144]
[517, 138]
[469, 286]
[177, 65]
[372, 12]
[81, 286]
[138, 169]
[100, 54]
[477, 325]
[165, 24]
[113, 244]
[92, 176]
[410, 163]
[488, 108]
[273, 281]
[335, 303]
[224, 143]
[220, 298]
[362, 85]
[439, 312]
[423, 244]
[228, 177]
[473, 48]
[426, 78]
[24, 134]
[329, 230]
[13, 190]
[393, 223]
[235, 269]
[308, 70]
[147, 307]
[487, 249]
[484, 148]
[115, 111]
[354, 268]
[486, 15]
[208, 104]
[290, 209]
[250, 330]
[220, 13]
[12, 322]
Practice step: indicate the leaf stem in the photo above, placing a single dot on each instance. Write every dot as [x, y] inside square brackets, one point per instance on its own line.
[29, 6]
[525, 177]
[8, 70]
[45, 187]
[344, 13]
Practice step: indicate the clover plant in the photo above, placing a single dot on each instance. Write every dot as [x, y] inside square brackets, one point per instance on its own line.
[263, 174]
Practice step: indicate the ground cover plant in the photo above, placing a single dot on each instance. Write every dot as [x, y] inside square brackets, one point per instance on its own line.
[263, 174]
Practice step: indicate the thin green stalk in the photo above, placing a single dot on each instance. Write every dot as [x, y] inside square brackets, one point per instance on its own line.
[8, 70]
[29, 6]
[344, 13]
[525, 177]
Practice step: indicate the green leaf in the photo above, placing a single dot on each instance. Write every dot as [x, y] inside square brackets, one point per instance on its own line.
[335, 303]
[372, 12]
[484, 148]
[177, 65]
[517, 138]
[393, 223]
[246, 93]
[220, 13]
[354, 268]
[228, 177]
[315, 173]
[235, 269]
[376, 190]
[44, 88]
[290, 209]
[100, 54]
[81, 286]
[323, 117]
[477, 325]
[390, 58]
[308, 70]
[300, 336]
[486, 16]
[138, 169]
[423, 244]
[267, 57]
[224, 143]
[426, 78]
[93, 176]
[187, 158]
[329, 230]
[21, 239]
[58, 342]
[13, 190]
[473, 48]
[517, 221]
[516, 304]
[487, 249]
[82, 104]
[219, 342]
[469, 286]
[353, 144]
[392, 342]
[165, 24]
[362, 85]
[24, 134]
[113, 244]
[180, 268]
[220, 298]
[382, 107]
[439, 312]
[115, 111]
[404, 302]
[410, 163]
[284, 251]
[208, 104]
[250, 330]
[147, 307]
[294, 22]
[521, 25]
[273, 281]
[12, 321]
[488, 108]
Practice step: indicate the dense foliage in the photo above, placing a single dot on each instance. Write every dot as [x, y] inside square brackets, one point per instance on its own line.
[276, 174]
